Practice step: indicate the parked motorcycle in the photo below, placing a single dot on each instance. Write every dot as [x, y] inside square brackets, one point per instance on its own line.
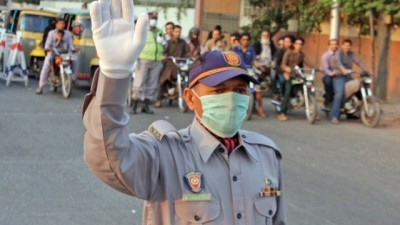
[360, 101]
[61, 71]
[174, 90]
[302, 95]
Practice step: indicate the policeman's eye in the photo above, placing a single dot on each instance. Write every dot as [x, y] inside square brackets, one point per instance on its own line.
[219, 90]
[241, 90]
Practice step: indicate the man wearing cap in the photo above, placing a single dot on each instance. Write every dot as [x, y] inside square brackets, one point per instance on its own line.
[148, 68]
[208, 173]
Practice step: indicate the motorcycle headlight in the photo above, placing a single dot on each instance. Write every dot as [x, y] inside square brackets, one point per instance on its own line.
[310, 77]
[367, 80]
[66, 57]
[184, 67]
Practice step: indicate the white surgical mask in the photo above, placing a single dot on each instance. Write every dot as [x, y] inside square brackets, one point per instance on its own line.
[153, 22]
[223, 114]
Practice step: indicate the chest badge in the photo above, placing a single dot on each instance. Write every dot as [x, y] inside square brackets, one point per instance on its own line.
[194, 180]
[269, 190]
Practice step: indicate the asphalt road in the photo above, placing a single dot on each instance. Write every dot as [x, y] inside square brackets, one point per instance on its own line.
[335, 175]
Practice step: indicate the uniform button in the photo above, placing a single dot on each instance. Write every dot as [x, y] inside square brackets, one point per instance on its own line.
[221, 150]
[197, 218]
[244, 136]
[270, 212]
[234, 178]
[239, 216]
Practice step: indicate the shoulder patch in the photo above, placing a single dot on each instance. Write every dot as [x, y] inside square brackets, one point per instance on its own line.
[259, 139]
[160, 128]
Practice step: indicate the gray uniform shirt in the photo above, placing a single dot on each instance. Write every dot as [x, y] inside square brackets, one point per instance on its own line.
[152, 165]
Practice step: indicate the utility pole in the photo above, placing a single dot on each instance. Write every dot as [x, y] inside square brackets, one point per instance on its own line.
[335, 20]
[199, 6]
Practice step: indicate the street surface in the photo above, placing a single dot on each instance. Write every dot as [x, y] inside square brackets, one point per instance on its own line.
[335, 175]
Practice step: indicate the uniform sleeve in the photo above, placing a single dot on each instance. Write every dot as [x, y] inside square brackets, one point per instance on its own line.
[128, 163]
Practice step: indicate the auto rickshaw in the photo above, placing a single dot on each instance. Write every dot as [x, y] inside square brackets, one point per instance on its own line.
[79, 23]
[31, 24]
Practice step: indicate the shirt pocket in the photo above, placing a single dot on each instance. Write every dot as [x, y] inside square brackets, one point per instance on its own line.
[190, 213]
[265, 210]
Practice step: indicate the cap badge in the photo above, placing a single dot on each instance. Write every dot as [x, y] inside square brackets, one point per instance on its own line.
[231, 58]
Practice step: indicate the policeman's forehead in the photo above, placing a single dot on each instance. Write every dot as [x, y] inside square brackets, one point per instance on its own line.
[235, 82]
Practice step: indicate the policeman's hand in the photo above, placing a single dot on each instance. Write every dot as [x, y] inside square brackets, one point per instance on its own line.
[118, 41]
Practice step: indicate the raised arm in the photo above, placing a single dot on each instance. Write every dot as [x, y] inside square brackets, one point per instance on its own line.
[128, 163]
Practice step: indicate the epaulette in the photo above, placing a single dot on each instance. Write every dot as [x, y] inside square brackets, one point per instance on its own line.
[160, 128]
[259, 139]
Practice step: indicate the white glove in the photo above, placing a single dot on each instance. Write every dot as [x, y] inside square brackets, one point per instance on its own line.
[118, 41]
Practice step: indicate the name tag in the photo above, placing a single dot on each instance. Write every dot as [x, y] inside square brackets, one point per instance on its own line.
[196, 197]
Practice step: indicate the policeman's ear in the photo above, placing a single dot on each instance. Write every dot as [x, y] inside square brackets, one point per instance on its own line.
[189, 98]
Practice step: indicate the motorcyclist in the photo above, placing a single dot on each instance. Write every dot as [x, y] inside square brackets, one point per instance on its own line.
[330, 69]
[292, 58]
[345, 58]
[248, 55]
[50, 44]
[176, 47]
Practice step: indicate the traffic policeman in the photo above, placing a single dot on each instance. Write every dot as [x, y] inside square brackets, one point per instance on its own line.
[211, 172]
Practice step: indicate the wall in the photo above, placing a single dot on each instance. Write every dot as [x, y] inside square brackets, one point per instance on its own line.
[316, 45]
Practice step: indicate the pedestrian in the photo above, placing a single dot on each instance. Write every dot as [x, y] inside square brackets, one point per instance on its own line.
[234, 40]
[148, 69]
[248, 55]
[169, 31]
[265, 48]
[50, 44]
[194, 43]
[211, 172]
[215, 43]
[176, 47]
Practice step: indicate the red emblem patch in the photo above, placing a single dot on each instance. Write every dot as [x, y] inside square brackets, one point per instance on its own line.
[195, 181]
[231, 58]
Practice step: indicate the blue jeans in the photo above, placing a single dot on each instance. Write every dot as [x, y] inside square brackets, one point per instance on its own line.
[338, 82]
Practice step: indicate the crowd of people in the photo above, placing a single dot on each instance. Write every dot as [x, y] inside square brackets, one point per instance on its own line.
[153, 70]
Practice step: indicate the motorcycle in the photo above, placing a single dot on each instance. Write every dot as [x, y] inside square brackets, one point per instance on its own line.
[360, 101]
[174, 90]
[263, 73]
[302, 95]
[61, 72]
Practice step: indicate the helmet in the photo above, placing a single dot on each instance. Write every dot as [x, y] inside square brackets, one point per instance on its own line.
[194, 30]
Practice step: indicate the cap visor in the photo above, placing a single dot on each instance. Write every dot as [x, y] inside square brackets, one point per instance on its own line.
[216, 79]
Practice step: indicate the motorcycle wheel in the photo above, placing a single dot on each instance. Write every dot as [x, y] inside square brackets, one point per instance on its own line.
[66, 85]
[373, 116]
[251, 107]
[312, 112]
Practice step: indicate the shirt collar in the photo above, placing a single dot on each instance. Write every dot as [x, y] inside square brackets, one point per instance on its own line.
[206, 143]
